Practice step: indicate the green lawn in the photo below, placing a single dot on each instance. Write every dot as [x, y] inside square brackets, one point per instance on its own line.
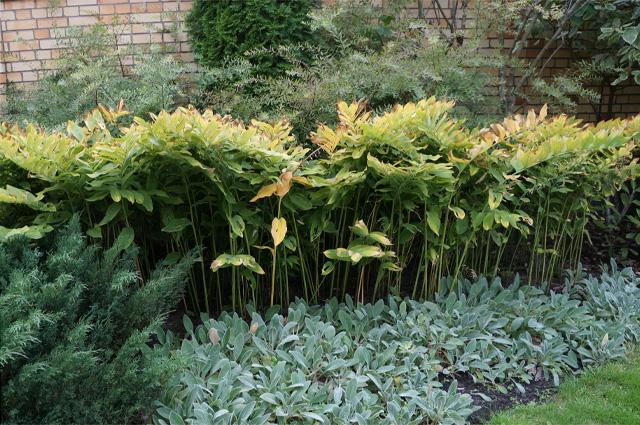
[609, 395]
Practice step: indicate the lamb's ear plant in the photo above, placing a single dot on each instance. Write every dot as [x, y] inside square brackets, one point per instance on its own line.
[396, 362]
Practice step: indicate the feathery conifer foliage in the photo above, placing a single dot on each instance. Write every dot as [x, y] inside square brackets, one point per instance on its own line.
[74, 325]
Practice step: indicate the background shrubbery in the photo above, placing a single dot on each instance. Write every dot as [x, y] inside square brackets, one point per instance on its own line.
[95, 69]
[386, 197]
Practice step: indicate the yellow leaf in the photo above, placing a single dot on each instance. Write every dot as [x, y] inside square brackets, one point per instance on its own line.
[494, 199]
[278, 230]
[265, 191]
[302, 180]
[326, 138]
[511, 125]
[284, 183]
[543, 112]
[531, 118]
[499, 131]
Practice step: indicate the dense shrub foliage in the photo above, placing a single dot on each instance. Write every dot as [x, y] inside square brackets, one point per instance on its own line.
[225, 28]
[392, 363]
[74, 325]
[378, 53]
[399, 73]
[434, 197]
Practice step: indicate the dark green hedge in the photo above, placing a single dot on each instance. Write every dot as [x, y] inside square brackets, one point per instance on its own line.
[220, 29]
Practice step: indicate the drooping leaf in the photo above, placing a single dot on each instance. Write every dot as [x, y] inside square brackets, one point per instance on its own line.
[176, 225]
[360, 228]
[278, 230]
[238, 260]
[380, 237]
[265, 192]
[111, 213]
[433, 220]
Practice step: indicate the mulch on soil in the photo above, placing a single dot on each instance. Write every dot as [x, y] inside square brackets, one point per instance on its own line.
[497, 401]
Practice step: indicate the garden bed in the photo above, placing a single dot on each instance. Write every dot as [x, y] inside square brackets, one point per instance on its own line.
[395, 362]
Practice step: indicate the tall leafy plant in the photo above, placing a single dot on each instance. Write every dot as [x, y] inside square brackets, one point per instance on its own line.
[270, 214]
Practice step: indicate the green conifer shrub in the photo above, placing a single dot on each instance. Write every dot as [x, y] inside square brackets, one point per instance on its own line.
[74, 325]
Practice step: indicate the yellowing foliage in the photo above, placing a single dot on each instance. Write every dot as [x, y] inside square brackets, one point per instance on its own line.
[444, 197]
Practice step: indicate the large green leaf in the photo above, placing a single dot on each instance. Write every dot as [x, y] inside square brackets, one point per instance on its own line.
[30, 232]
[238, 260]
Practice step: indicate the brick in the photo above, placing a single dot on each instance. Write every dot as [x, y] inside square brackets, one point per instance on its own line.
[149, 17]
[171, 6]
[11, 57]
[23, 14]
[633, 99]
[30, 76]
[28, 55]
[80, 2]
[16, 46]
[140, 38]
[78, 21]
[39, 13]
[122, 8]
[52, 22]
[48, 64]
[40, 34]
[73, 11]
[124, 39]
[138, 8]
[107, 9]
[139, 28]
[43, 54]
[630, 108]
[7, 15]
[51, 43]
[25, 66]
[186, 57]
[14, 77]
[19, 4]
[632, 89]
[10, 35]
[20, 25]
[154, 7]
[25, 35]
